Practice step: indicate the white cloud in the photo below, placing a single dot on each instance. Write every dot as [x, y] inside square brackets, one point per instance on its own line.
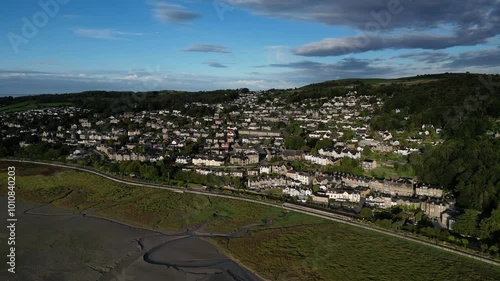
[207, 48]
[173, 13]
[104, 33]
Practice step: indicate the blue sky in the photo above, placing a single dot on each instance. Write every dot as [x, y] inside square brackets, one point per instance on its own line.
[57, 46]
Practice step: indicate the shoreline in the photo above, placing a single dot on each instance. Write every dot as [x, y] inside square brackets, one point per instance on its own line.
[141, 241]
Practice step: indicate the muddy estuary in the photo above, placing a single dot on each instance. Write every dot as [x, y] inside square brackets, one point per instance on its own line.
[58, 245]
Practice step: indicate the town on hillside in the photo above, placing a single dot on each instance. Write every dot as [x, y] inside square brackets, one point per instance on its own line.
[316, 151]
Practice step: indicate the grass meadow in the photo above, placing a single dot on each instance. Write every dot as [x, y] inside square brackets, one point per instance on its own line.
[28, 105]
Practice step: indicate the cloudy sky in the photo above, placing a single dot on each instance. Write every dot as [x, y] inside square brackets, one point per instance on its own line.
[54, 46]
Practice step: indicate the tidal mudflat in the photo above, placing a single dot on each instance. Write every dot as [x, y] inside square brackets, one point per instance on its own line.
[53, 244]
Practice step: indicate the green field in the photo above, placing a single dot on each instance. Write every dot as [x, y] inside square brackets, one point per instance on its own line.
[144, 207]
[293, 247]
[341, 252]
[374, 81]
[27, 105]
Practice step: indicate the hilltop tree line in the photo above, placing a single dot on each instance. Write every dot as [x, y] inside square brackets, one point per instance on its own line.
[460, 104]
[112, 102]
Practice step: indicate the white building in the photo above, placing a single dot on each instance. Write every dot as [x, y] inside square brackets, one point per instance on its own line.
[305, 179]
[429, 191]
[319, 160]
[297, 192]
[344, 195]
[183, 160]
[208, 161]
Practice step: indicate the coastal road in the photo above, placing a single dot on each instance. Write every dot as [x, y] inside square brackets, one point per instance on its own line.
[286, 206]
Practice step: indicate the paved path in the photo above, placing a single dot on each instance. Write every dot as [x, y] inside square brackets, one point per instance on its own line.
[287, 206]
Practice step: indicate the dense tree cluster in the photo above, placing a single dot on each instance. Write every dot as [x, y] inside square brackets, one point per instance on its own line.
[469, 168]
[110, 102]
[43, 151]
[458, 103]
